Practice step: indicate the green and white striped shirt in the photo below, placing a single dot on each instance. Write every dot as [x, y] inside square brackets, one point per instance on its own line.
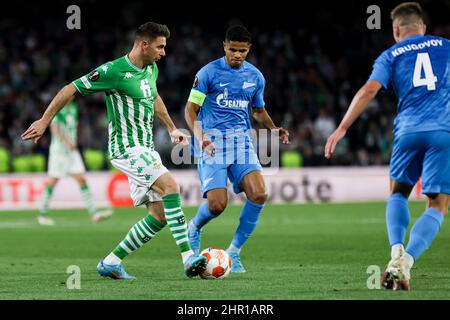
[130, 95]
[66, 120]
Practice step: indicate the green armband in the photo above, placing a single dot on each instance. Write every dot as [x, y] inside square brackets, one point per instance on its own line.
[197, 97]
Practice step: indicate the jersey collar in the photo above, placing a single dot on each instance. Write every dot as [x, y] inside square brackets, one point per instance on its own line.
[412, 37]
[132, 65]
[227, 66]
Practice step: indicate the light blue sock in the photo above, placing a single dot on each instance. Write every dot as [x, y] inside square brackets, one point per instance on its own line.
[397, 218]
[423, 232]
[248, 220]
[203, 216]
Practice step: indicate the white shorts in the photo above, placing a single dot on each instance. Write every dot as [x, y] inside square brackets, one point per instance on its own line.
[63, 164]
[143, 167]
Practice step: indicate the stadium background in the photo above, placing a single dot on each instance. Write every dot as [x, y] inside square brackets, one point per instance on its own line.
[314, 56]
[314, 59]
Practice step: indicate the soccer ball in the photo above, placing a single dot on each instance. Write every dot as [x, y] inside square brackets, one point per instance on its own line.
[218, 264]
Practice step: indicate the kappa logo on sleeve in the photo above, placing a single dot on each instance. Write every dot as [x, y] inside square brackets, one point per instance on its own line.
[94, 75]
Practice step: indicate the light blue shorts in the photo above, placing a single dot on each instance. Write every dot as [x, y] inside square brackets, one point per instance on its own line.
[425, 154]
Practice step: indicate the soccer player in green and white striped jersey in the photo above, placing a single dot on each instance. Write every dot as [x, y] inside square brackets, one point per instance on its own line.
[65, 159]
[132, 100]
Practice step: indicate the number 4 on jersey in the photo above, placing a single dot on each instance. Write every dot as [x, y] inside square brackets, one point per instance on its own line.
[423, 62]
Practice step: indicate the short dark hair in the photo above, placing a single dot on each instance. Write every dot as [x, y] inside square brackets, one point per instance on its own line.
[407, 13]
[238, 33]
[152, 30]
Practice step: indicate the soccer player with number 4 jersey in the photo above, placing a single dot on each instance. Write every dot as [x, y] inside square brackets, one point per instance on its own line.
[418, 69]
[132, 100]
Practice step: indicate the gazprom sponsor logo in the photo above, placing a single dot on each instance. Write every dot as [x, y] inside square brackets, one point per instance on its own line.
[223, 101]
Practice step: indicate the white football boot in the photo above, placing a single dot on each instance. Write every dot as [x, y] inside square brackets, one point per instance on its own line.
[45, 221]
[101, 215]
[387, 280]
[397, 274]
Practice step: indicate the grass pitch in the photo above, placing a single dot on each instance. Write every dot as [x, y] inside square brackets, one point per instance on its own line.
[313, 251]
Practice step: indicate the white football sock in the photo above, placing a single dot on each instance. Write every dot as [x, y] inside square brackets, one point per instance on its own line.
[185, 255]
[409, 260]
[112, 259]
[233, 249]
[397, 250]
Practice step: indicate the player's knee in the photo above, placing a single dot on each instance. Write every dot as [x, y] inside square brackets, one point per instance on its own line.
[172, 188]
[217, 207]
[258, 197]
[439, 203]
[401, 188]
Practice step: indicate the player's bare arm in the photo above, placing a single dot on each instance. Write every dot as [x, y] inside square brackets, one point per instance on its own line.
[161, 113]
[359, 103]
[56, 131]
[37, 128]
[190, 114]
[262, 117]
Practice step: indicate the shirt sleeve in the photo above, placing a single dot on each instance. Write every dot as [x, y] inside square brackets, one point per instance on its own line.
[101, 78]
[381, 70]
[258, 98]
[200, 87]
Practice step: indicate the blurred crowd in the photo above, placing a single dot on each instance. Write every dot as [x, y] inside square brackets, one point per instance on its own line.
[312, 72]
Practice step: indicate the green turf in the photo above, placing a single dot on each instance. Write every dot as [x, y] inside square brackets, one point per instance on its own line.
[314, 251]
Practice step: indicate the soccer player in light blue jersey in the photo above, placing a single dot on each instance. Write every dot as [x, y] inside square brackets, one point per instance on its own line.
[225, 94]
[418, 69]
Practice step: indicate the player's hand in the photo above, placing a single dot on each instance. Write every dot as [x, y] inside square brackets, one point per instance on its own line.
[35, 131]
[179, 137]
[333, 140]
[284, 135]
[208, 147]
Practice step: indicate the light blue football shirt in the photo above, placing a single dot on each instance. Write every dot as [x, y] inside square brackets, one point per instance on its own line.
[418, 68]
[229, 94]
[226, 96]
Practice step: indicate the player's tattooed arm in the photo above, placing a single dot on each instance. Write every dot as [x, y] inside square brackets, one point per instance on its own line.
[37, 128]
[357, 106]
[162, 114]
[262, 117]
